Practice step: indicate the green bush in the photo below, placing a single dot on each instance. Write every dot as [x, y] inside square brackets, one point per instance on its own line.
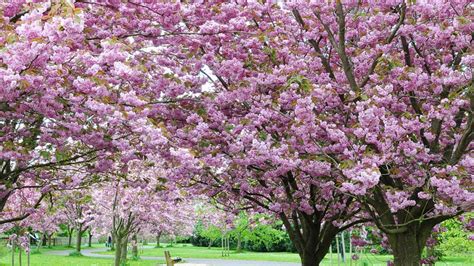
[453, 239]
[261, 237]
[456, 245]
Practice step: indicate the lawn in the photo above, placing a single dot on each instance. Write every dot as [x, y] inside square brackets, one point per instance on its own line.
[189, 251]
[53, 260]
[44, 259]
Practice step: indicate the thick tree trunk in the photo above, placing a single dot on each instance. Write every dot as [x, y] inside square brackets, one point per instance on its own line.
[118, 252]
[406, 249]
[408, 246]
[312, 246]
[49, 240]
[134, 246]
[407, 240]
[79, 239]
[210, 244]
[309, 259]
[158, 236]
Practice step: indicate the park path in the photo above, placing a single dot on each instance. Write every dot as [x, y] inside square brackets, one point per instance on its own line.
[207, 262]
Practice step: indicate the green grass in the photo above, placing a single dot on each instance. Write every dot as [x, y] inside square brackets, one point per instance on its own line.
[44, 259]
[188, 251]
[379, 260]
[53, 260]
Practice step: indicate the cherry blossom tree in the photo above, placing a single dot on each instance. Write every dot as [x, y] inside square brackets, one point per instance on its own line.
[174, 215]
[213, 222]
[324, 114]
[44, 220]
[22, 203]
[66, 91]
[43, 122]
[131, 201]
[77, 211]
[332, 114]
[407, 148]
[120, 210]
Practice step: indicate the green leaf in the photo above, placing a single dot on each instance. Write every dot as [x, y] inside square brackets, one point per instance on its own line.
[45, 154]
[229, 127]
[303, 83]
[204, 143]
[271, 53]
[346, 164]
[61, 156]
[201, 111]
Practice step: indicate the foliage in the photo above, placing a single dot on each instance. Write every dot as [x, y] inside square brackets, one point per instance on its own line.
[454, 239]
[260, 237]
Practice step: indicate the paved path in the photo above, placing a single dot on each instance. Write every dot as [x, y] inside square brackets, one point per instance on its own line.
[207, 262]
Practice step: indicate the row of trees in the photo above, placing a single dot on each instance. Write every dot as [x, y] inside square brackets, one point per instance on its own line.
[325, 115]
[254, 232]
[247, 231]
[122, 208]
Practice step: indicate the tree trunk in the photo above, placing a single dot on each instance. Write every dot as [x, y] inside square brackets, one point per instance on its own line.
[406, 250]
[407, 247]
[134, 246]
[69, 232]
[79, 239]
[112, 245]
[49, 240]
[44, 240]
[90, 239]
[312, 246]
[39, 242]
[5, 195]
[210, 244]
[239, 242]
[158, 236]
[118, 252]
[124, 249]
[309, 258]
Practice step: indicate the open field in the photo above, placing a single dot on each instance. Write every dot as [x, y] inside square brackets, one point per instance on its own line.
[45, 258]
[189, 251]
